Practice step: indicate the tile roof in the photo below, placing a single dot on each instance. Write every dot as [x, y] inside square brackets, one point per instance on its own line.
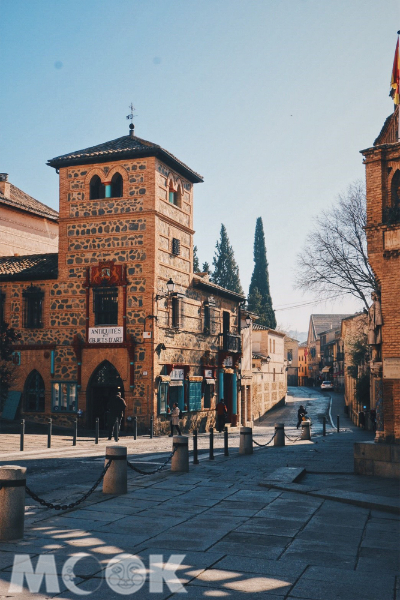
[200, 282]
[323, 323]
[121, 149]
[22, 201]
[33, 266]
[257, 327]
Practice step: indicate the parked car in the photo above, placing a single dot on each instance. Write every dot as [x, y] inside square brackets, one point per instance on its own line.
[327, 385]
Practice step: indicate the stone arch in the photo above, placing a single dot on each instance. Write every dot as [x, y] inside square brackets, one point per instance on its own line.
[119, 170]
[103, 385]
[33, 399]
[89, 176]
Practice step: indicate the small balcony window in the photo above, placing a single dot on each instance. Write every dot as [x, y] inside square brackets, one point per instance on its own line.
[176, 246]
[33, 297]
[176, 317]
[105, 306]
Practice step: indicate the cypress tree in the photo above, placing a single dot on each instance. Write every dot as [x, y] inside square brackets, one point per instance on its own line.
[196, 264]
[226, 271]
[259, 300]
[206, 268]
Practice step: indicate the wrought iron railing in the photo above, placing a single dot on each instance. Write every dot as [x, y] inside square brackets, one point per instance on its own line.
[230, 342]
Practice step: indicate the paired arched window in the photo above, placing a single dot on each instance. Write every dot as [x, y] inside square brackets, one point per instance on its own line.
[97, 190]
[116, 186]
[34, 392]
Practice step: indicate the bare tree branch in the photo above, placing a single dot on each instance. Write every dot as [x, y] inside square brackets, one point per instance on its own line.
[334, 257]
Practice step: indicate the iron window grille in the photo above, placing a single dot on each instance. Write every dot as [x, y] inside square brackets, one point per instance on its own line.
[176, 246]
[207, 319]
[33, 297]
[105, 306]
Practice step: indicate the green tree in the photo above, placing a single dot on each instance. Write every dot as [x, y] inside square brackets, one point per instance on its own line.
[226, 271]
[206, 268]
[259, 300]
[196, 264]
[8, 337]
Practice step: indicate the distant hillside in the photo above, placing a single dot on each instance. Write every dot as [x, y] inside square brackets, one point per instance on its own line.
[298, 335]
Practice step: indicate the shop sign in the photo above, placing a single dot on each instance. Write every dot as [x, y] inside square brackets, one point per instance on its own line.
[391, 368]
[177, 374]
[208, 374]
[228, 362]
[106, 335]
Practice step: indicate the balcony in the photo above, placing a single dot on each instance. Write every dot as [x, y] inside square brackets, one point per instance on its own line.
[230, 342]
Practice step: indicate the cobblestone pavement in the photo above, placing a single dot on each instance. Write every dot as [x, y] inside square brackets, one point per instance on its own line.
[239, 539]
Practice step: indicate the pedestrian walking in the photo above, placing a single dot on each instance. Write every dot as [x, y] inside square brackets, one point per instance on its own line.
[116, 408]
[300, 414]
[222, 412]
[175, 416]
[372, 416]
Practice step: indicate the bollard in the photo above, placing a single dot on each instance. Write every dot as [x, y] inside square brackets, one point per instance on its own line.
[49, 430]
[338, 423]
[12, 502]
[22, 435]
[195, 453]
[323, 425]
[211, 456]
[116, 430]
[96, 439]
[305, 430]
[246, 440]
[151, 427]
[75, 432]
[115, 480]
[134, 428]
[180, 460]
[226, 449]
[279, 439]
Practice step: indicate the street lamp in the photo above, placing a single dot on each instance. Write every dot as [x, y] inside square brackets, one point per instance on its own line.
[170, 290]
[248, 321]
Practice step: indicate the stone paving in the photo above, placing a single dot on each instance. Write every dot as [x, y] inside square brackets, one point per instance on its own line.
[239, 539]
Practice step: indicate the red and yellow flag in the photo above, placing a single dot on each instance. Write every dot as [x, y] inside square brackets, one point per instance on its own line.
[395, 80]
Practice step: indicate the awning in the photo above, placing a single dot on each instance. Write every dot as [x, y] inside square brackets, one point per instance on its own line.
[195, 378]
[175, 382]
[326, 369]
[210, 381]
[165, 378]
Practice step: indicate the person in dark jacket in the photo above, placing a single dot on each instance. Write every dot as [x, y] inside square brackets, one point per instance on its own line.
[221, 415]
[116, 408]
[300, 414]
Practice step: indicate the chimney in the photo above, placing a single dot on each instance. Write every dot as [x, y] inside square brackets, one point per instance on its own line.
[132, 130]
[4, 185]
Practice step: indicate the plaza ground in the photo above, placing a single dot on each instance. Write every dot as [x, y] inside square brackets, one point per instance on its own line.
[244, 527]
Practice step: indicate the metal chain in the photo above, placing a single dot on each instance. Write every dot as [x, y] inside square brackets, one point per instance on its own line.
[292, 439]
[72, 504]
[130, 465]
[263, 445]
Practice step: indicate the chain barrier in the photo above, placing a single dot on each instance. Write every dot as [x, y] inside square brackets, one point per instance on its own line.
[72, 504]
[263, 445]
[130, 465]
[292, 439]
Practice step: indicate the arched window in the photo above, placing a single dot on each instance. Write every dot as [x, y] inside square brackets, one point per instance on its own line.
[34, 393]
[116, 186]
[96, 188]
[396, 189]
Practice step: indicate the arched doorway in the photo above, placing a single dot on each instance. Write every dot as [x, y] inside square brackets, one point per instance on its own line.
[104, 383]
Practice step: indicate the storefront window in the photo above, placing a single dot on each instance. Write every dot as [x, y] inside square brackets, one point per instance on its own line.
[64, 397]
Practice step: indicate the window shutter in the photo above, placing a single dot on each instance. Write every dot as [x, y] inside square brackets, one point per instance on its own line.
[176, 246]
[195, 395]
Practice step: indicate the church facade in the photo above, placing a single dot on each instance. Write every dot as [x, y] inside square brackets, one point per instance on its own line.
[118, 308]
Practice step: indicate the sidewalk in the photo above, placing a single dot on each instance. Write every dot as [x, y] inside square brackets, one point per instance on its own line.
[241, 536]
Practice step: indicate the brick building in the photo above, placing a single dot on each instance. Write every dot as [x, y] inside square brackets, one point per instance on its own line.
[26, 225]
[382, 163]
[118, 307]
[325, 326]
[303, 364]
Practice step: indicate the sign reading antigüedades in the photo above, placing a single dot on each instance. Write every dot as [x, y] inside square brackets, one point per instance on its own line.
[105, 335]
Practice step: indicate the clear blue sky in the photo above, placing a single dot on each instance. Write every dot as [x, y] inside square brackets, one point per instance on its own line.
[270, 100]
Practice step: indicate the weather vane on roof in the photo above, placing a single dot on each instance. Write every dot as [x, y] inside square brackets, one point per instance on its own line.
[130, 117]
